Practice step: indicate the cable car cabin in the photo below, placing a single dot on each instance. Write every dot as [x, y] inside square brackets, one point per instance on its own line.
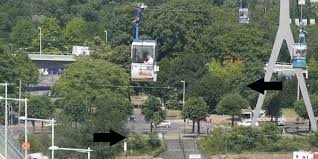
[143, 66]
[299, 55]
[244, 17]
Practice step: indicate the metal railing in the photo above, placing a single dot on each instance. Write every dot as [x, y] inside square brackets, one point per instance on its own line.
[14, 149]
[51, 53]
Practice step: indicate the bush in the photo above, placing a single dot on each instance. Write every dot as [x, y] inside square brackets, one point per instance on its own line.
[153, 141]
[136, 142]
[313, 139]
[141, 144]
[268, 139]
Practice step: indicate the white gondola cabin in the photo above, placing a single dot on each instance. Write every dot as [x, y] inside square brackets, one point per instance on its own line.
[244, 16]
[143, 56]
[299, 55]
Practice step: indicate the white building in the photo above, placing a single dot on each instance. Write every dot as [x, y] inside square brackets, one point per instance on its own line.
[80, 50]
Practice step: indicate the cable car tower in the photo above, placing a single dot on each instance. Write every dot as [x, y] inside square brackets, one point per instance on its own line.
[143, 53]
[297, 53]
[243, 13]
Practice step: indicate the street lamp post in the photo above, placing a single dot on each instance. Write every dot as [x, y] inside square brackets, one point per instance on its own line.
[183, 99]
[40, 39]
[52, 121]
[88, 150]
[6, 118]
[105, 35]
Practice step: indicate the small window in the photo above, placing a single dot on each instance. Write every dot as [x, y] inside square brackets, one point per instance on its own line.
[143, 54]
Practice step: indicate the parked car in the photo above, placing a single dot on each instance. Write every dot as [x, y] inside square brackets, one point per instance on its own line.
[165, 123]
[281, 122]
[246, 123]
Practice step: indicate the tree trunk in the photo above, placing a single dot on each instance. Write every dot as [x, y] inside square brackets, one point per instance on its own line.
[198, 126]
[232, 120]
[42, 127]
[309, 129]
[193, 123]
[150, 127]
[33, 124]
[271, 118]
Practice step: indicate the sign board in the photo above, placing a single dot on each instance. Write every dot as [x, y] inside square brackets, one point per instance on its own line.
[301, 2]
[143, 72]
[25, 146]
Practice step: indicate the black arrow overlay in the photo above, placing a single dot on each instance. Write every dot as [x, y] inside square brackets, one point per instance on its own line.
[260, 85]
[112, 137]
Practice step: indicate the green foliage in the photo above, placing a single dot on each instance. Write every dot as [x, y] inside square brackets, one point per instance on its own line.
[143, 144]
[91, 77]
[17, 67]
[23, 33]
[300, 107]
[195, 109]
[231, 104]
[39, 143]
[247, 139]
[116, 54]
[153, 111]
[313, 139]
[74, 30]
[313, 69]
[51, 39]
[174, 102]
[272, 104]
[40, 107]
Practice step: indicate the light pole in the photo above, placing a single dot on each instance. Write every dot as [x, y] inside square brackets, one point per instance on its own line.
[42, 120]
[105, 35]
[88, 150]
[40, 39]
[183, 99]
[6, 119]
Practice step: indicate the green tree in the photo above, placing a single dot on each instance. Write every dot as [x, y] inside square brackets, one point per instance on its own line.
[301, 110]
[74, 30]
[15, 68]
[51, 35]
[211, 88]
[22, 33]
[231, 104]
[153, 112]
[86, 79]
[40, 107]
[91, 77]
[272, 105]
[196, 110]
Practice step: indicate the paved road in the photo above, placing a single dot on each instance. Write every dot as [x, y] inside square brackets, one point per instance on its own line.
[179, 148]
[177, 125]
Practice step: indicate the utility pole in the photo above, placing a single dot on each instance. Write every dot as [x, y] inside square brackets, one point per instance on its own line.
[40, 40]
[105, 35]
[26, 127]
[183, 100]
[19, 109]
[6, 123]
